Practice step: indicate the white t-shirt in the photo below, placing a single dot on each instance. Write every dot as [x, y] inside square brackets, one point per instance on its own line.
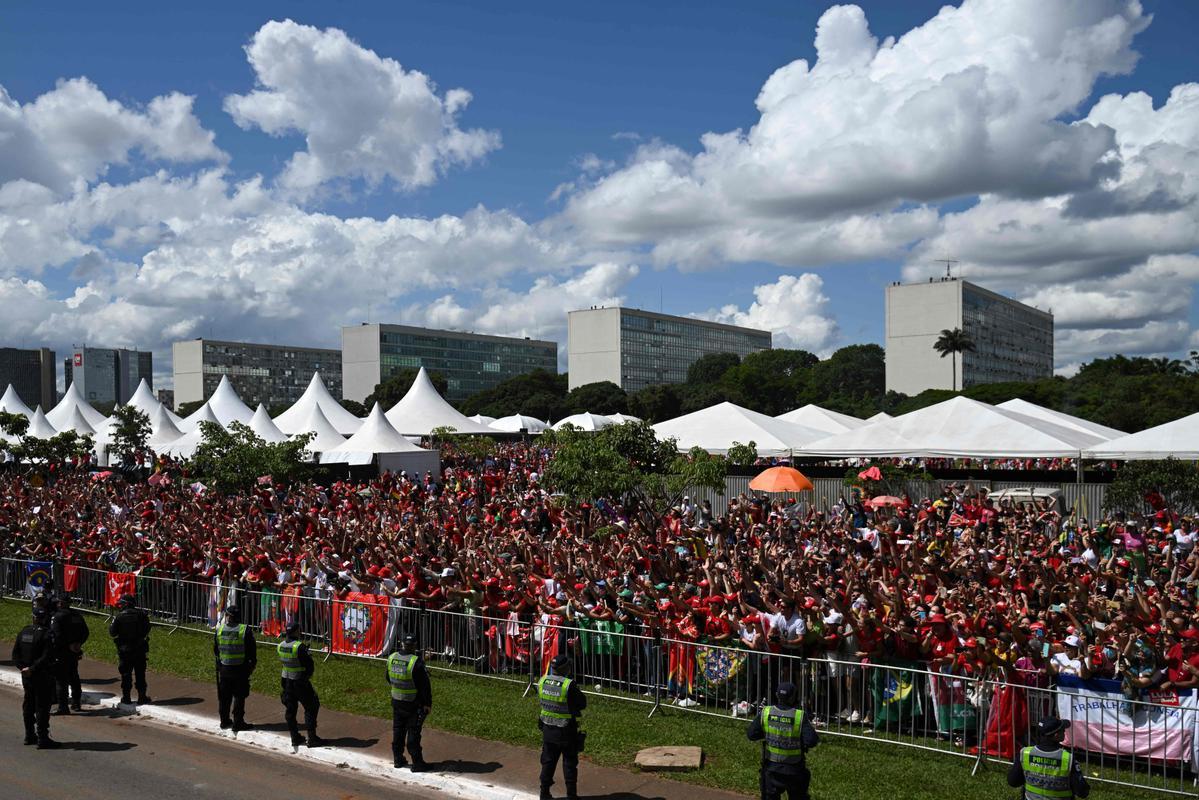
[788, 628]
[1066, 665]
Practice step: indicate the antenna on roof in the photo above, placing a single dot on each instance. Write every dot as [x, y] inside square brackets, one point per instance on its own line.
[948, 262]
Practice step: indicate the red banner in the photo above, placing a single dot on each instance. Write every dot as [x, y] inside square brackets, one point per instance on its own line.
[70, 578]
[117, 584]
[360, 624]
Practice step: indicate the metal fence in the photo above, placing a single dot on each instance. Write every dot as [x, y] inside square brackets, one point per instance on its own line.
[896, 704]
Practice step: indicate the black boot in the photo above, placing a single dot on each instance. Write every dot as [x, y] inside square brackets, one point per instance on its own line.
[46, 743]
[545, 795]
[420, 766]
[126, 700]
[297, 740]
[240, 725]
[30, 738]
[316, 741]
[398, 762]
[62, 711]
[572, 791]
[143, 699]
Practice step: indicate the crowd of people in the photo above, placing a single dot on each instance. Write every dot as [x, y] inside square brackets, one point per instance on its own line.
[956, 583]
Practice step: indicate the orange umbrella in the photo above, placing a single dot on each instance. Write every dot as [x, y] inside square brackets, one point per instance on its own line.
[780, 479]
[888, 500]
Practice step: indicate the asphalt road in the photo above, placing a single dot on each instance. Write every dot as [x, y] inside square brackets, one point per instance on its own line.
[106, 756]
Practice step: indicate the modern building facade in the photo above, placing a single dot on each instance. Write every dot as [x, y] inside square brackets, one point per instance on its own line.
[32, 373]
[1013, 341]
[106, 375]
[271, 374]
[470, 362]
[635, 349]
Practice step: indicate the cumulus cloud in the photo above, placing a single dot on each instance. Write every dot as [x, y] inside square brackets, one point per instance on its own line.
[362, 115]
[794, 308]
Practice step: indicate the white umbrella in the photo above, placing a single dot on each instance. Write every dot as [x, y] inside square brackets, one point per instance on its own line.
[519, 422]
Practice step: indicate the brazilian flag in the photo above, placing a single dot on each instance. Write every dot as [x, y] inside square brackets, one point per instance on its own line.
[896, 694]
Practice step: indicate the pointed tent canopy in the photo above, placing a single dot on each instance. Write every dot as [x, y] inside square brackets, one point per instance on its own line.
[59, 415]
[422, 409]
[958, 428]
[11, 403]
[163, 429]
[185, 446]
[482, 419]
[519, 422]
[39, 426]
[262, 425]
[325, 436]
[1060, 418]
[144, 400]
[1177, 439]
[620, 419]
[227, 407]
[376, 436]
[879, 417]
[292, 420]
[717, 427]
[585, 421]
[76, 422]
[813, 416]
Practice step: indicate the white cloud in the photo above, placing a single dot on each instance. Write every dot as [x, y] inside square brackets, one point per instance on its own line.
[794, 308]
[362, 115]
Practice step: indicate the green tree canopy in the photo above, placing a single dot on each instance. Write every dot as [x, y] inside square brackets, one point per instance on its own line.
[355, 408]
[130, 434]
[709, 369]
[602, 397]
[1175, 482]
[656, 403]
[511, 396]
[233, 460]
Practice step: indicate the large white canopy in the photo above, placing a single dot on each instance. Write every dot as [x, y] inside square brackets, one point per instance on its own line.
[1060, 418]
[185, 446]
[76, 422]
[325, 436]
[292, 420]
[620, 419]
[11, 403]
[585, 421]
[958, 428]
[144, 400]
[163, 429]
[482, 419]
[39, 426]
[821, 419]
[519, 422]
[422, 409]
[1177, 439]
[265, 428]
[226, 406]
[717, 427]
[377, 435]
[879, 417]
[70, 401]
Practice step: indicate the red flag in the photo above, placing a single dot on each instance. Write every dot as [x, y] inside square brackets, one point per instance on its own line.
[549, 643]
[1007, 723]
[70, 578]
[117, 584]
[359, 624]
[872, 474]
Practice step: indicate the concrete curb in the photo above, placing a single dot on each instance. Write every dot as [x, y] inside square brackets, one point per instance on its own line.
[448, 785]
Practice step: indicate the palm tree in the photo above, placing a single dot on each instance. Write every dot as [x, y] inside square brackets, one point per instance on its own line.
[951, 342]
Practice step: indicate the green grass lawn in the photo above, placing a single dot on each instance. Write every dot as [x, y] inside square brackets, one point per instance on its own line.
[494, 709]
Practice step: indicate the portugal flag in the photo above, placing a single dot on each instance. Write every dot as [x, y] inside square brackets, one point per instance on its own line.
[359, 624]
[117, 584]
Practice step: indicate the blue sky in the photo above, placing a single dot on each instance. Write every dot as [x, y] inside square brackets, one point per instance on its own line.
[560, 84]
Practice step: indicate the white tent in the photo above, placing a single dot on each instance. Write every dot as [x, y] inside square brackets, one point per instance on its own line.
[144, 400]
[958, 428]
[422, 409]
[1060, 418]
[519, 422]
[226, 406]
[11, 403]
[879, 417]
[482, 419]
[39, 426]
[717, 427]
[185, 446]
[821, 419]
[325, 436]
[262, 425]
[59, 415]
[163, 429]
[620, 419]
[77, 423]
[378, 438]
[292, 420]
[585, 421]
[1177, 439]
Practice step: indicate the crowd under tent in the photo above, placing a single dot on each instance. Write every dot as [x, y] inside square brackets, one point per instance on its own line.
[265, 428]
[821, 419]
[316, 395]
[1176, 439]
[517, 423]
[719, 427]
[1060, 418]
[379, 440]
[325, 437]
[585, 421]
[11, 403]
[71, 401]
[422, 410]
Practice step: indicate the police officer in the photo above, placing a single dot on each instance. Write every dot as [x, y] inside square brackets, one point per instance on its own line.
[786, 736]
[70, 632]
[411, 701]
[130, 632]
[1045, 770]
[296, 682]
[33, 655]
[561, 704]
[236, 655]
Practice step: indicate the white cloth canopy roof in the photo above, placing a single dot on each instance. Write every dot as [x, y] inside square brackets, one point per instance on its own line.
[39, 426]
[622, 418]
[1061, 418]
[585, 421]
[265, 428]
[292, 420]
[1177, 439]
[226, 406]
[821, 419]
[59, 415]
[482, 419]
[376, 436]
[422, 409]
[325, 436]
[519, 422]
[185, 446]
[76, 422]
[144, 400]
[958, 428]
[11, 403]
[163, 429]
[879, 417]
[717, 427]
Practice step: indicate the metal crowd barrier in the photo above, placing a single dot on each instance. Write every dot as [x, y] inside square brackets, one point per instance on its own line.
[899, 703]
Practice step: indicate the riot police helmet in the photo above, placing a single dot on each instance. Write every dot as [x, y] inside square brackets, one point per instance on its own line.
[127, 601]
[233, 614]
[293, 629]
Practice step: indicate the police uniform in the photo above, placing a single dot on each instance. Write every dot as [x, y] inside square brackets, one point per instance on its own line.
[130, 632]
[1047, 772]
[33, 654]
[296, 688]
[411, 700]
[786, 736]
[236, 655]
[70, 632]
[561, 703]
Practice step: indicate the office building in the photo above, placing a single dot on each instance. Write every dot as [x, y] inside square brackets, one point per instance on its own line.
[271, 374]
[635, 349]
[1012, 341]
[167, 397]
[32, 373]
[470, 362]
[106, 375]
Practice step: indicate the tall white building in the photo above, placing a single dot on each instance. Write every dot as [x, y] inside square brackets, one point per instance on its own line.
[1013, 341]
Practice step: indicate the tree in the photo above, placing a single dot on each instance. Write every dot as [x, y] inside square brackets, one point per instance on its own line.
[59, 449]
[951, 342]
[185, 410]
[511, 395]
[355, 408]
[544, 406]
[233, 460]
[709, 369]
[852, 381]
[656, 403]
[1167, 483]
[769, 380]
[629, 463]
[602, 397]
[743, 455]
[14, 425]
[392, 390]
[130, 434]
